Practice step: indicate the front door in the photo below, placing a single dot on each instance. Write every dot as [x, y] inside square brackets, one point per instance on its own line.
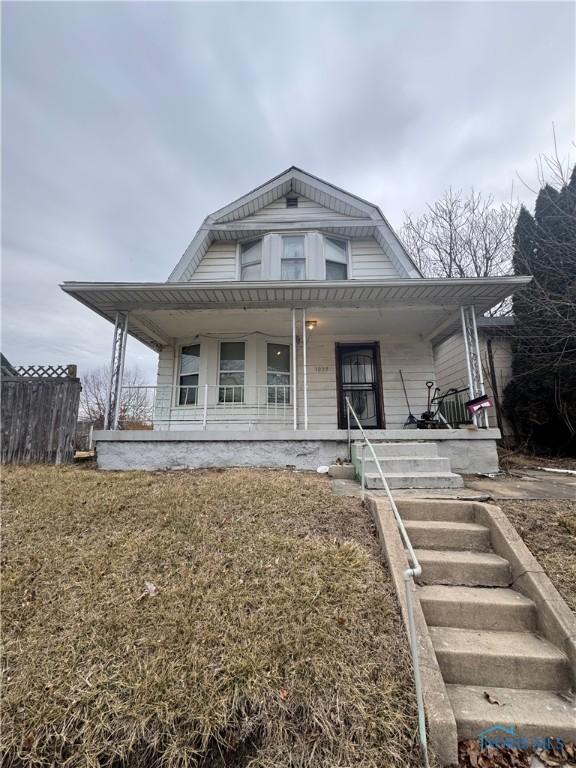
[358, 379]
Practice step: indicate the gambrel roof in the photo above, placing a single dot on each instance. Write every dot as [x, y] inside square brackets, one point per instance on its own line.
[353, 217]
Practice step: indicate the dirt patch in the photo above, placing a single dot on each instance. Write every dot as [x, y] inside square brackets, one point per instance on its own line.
[197, 619]
[513, 460]
[549, 530]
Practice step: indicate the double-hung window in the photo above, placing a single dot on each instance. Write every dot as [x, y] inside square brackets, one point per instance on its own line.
[232, 366]
[293, 258]
[251, 260]
[336, 254]
[278, 373]
[189, 370]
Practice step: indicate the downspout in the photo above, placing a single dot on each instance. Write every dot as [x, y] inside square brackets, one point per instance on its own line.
[494, 384]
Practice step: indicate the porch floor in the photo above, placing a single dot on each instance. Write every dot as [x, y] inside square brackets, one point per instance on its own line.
[339, 435]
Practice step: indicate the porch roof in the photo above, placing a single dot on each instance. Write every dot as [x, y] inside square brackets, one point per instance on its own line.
[146, 301]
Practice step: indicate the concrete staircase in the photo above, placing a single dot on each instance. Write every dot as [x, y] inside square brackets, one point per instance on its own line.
[405, 465]
[489, 639]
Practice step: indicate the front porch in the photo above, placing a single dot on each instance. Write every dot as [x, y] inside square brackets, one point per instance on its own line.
[254, 374]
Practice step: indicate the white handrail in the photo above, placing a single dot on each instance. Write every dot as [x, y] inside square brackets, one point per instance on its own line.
[409, 575]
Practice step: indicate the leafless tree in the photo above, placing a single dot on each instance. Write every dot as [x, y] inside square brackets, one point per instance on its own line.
[552, 168]
[462, 236]
[135, 402]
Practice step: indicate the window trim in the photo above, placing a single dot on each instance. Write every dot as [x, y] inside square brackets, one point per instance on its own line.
[219, 371]
[304, 236]
[348, 255]
[175, 396]
[306, 233]
[269, 341]
[239, 245]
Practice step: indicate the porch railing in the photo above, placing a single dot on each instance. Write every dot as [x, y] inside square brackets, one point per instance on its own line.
[148, 407]
[452, 407]
[409, 574]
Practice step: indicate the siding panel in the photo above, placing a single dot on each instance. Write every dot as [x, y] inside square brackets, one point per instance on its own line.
[219, 263]
[451, 369]
[307, 209]
[370, 262]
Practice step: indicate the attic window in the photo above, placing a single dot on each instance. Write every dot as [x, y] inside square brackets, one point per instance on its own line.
[291, 202]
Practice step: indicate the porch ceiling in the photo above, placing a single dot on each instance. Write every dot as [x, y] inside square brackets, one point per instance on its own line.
[414, 305]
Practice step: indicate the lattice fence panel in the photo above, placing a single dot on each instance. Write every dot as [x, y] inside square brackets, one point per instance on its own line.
[47, 371]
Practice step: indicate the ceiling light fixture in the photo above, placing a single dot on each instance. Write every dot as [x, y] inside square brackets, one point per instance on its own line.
[311, 324]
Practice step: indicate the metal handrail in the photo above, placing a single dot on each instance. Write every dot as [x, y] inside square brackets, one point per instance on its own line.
[409, 574]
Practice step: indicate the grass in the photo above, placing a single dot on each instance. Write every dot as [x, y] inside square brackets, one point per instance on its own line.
[273, 638]
[548, 528]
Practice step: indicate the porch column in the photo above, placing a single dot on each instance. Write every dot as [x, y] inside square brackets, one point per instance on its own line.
[305, 367]
[473, 360]
[294, 377]
[116, 371]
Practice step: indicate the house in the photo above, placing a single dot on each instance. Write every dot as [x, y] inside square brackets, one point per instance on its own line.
[495, 345]
[288, 301]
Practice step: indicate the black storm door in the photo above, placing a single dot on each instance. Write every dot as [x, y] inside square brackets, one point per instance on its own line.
[358, 379]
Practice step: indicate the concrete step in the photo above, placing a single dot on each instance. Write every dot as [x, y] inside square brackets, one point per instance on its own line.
[408, 464]
[435, 534]
[384, 450]
[533, 713]
[468, 569]
[507, 659]
[415, 480]
[436, 509]
[477, 608]
[342, 471]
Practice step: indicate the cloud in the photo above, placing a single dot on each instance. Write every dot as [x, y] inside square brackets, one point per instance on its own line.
[124, 124]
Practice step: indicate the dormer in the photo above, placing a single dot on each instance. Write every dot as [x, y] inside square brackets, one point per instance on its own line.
[295, 227]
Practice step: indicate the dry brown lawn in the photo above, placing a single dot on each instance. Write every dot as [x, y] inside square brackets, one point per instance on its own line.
[549, 529]
[236, 618]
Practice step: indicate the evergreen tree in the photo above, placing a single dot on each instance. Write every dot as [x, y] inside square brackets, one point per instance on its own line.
[541, 398]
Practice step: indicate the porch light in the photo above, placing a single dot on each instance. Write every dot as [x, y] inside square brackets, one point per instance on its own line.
[311, 324]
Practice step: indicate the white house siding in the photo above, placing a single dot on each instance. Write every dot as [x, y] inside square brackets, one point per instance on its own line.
[410, 354]
[306, 209]
[219, 263]
[452, 371]
[369, 262]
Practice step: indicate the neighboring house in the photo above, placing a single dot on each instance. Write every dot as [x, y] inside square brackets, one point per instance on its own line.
[289, 300]
[495, 342]
[6, 367]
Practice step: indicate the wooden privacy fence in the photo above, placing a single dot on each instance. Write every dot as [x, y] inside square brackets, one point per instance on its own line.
[39, 412]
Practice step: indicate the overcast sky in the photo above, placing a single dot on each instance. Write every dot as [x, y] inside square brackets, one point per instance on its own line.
[125, 124]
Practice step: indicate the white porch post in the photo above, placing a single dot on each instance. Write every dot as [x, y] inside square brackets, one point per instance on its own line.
[305, 367]
[294, 376]
[112, 414]
[473, 360]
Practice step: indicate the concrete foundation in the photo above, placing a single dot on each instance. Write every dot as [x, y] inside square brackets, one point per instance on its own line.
[300, 454]
[469, 452]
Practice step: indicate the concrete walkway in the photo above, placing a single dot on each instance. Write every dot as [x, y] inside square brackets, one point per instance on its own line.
[530, 484]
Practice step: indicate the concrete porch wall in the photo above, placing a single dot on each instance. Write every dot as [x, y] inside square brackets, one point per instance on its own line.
[470, 452]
